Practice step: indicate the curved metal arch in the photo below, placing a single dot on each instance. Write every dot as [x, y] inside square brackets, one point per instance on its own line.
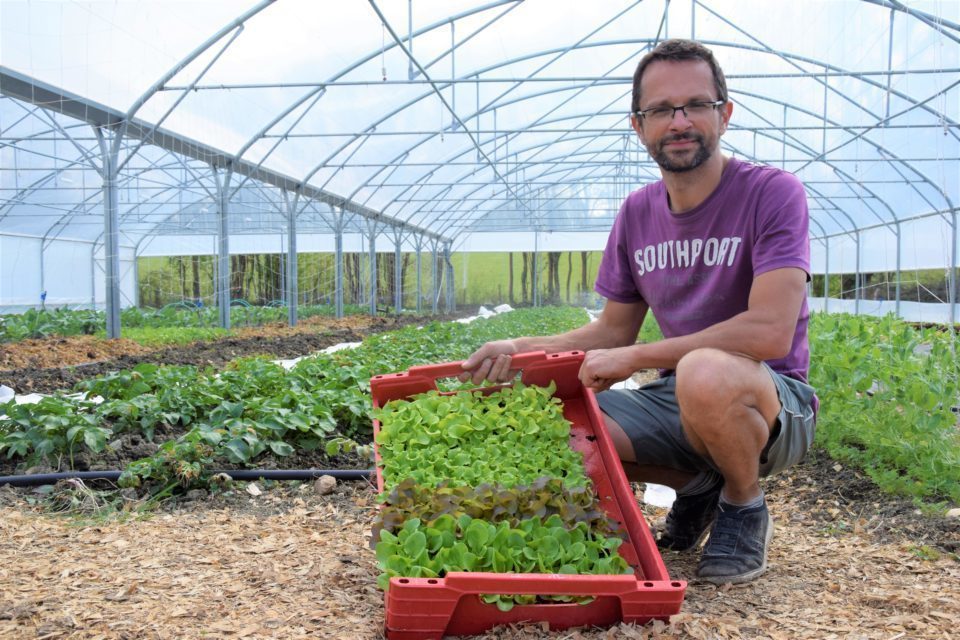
[796, 144]
[853, 225]
[321, 87]
[519, 165]
[363, 60]
[436, 91]
[83, 207]
[555, 89]
[789, 59]
[138, 173]
[912, 169]
[819, 158]
[476, 207]
[236, 24]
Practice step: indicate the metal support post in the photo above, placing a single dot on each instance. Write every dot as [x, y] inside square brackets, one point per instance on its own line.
[826, 276]
[372, 240]
[397, 273]
[419, 247]
[338, 264]
[856, 279]
[952, 280]
[223, 246]
[435, 292]
[110, 153]
[899, 277]
[136, 280]
[450, 301]
[535, 275]
[293, 289]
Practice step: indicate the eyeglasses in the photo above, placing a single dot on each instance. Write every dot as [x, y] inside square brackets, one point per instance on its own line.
[691, 110]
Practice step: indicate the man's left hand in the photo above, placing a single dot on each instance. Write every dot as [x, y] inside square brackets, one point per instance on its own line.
[602, 368]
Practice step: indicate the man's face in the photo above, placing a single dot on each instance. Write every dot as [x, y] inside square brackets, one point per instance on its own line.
[681, 143]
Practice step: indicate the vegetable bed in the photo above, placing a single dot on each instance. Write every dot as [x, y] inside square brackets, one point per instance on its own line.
[507, 503]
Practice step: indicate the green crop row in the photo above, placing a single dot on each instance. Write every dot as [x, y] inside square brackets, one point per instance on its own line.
[253, 406]
[43, 323]
[889, 394]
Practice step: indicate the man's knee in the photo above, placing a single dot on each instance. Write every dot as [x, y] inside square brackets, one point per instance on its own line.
[707, 376]
[714, 382]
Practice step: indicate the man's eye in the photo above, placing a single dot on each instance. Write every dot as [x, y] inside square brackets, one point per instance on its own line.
[698, 106]
[660, 112]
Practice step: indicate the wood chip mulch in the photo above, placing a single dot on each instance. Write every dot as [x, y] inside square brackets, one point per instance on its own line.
[290, 563]
[59, 352]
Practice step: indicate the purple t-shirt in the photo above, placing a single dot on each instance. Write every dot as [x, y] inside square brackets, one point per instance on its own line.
[695, 269]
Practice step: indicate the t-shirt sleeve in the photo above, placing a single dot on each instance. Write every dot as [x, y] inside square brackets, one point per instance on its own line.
[615, 276]
[783, 223]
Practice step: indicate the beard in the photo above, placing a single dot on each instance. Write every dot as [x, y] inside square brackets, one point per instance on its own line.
[680, 165]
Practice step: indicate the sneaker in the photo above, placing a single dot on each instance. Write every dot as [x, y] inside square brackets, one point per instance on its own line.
[737, 549]
[689, 519]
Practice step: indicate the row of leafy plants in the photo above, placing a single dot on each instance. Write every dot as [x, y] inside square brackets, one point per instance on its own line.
[488, 482]
[204, 418]
[44, 323]
[889, 396]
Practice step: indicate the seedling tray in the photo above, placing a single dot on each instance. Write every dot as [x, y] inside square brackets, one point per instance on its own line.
[420, 608]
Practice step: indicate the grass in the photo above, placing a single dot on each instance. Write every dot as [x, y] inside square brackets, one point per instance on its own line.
[484, 278]
[168, 336]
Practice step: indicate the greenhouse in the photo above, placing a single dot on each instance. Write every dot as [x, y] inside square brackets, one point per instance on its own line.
[225, 227]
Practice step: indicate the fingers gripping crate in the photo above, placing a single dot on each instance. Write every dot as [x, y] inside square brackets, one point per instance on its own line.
[433, 607]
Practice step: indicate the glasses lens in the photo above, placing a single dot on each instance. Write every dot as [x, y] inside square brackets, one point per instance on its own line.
[659, 114]
[695, 109]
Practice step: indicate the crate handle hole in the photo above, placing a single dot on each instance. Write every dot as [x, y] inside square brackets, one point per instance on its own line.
[432, 581]
[591, 438]
[404, 581]
[648, 584]
[676, 584]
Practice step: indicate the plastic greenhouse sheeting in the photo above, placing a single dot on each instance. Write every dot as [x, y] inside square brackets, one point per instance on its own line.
[229, 127]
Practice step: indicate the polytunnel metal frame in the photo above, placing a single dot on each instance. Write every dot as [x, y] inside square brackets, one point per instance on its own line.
[439, 220]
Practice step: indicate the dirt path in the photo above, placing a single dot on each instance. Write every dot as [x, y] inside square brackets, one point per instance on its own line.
[846, 562]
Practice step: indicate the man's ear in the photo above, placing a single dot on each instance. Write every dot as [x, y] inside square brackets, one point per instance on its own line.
[637, 126]
[725, 112]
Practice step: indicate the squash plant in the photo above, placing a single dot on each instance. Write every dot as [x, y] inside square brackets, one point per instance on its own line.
[477, 481]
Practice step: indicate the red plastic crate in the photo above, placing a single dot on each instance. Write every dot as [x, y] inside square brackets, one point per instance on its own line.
[419, 608]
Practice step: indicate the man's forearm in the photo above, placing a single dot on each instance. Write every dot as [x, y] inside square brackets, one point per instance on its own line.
[746, 334]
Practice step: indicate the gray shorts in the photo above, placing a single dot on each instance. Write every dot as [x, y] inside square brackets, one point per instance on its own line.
[650, 417]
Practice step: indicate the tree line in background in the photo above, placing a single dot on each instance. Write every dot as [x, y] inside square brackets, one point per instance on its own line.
[480, 278]
[551, 290]
[260, 279]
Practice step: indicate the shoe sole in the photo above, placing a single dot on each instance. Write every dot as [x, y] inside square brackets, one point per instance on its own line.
[749, 575]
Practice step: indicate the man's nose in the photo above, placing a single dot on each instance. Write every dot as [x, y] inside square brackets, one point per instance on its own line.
[679, 120]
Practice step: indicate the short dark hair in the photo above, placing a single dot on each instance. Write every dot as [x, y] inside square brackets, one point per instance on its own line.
[675, 51]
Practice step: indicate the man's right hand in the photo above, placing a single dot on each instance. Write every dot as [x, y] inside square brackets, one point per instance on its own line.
[490, 362]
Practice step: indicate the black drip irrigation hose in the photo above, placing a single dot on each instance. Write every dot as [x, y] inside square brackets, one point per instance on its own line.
[35, 479]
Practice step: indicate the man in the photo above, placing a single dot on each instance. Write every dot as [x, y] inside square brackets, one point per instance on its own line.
[718, 251]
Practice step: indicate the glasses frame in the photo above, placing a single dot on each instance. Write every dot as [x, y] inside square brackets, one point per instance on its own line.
[715, 104]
